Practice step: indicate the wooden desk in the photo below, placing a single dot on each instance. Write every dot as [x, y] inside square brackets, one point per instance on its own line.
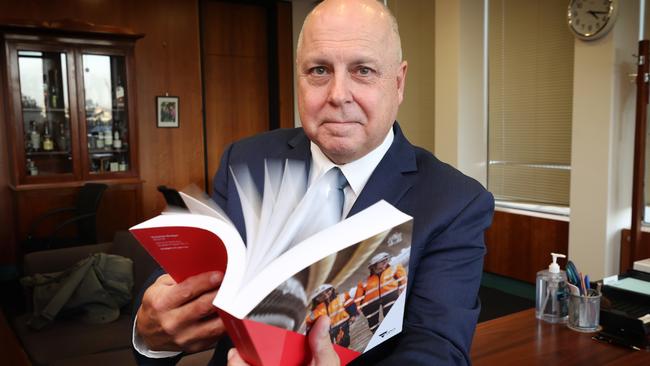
[520, 339]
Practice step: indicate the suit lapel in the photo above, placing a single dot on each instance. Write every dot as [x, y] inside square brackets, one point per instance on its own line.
[392, 178]
[299, 149]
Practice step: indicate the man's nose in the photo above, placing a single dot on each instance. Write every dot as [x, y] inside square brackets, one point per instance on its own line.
[340, 92]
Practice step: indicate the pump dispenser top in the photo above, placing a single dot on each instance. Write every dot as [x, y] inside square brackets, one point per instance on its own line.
[554, 267]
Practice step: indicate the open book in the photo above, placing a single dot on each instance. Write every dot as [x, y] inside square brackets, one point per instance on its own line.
[355, 271]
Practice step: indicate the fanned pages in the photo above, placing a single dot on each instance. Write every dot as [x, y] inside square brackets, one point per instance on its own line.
[299, 262]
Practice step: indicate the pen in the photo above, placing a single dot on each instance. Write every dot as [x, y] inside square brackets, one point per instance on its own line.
[583, 289]
[587, 285]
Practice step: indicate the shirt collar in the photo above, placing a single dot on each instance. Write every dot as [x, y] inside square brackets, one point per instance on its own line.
[356, 172]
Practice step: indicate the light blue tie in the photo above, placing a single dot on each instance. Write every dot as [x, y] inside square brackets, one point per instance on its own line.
[341, 183]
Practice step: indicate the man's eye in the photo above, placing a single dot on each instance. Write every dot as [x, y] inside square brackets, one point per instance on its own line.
[318, 70]
[364, 71]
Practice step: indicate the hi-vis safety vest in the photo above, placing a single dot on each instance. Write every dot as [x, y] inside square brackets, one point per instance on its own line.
[335, 310]
[391, 279]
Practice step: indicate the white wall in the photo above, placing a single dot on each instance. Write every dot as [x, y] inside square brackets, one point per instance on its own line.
[416, 26]
[603, 119]
[603, 144]
[460, 86]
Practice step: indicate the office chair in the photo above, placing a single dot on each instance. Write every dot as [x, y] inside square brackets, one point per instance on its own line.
[84, 217]
[172, 197]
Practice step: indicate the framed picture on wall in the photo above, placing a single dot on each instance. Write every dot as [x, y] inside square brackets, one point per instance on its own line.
[167, 111]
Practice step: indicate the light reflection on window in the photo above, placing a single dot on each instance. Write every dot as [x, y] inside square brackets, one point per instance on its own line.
[64, 72]
[31, 79]
[97, 85]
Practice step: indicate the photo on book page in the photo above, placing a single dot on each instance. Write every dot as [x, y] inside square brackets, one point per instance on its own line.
[357, 288]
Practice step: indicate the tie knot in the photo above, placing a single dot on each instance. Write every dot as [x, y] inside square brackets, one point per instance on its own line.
[341, 181]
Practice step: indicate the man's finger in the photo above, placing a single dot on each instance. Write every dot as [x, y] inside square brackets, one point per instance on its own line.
[208, 334]
[166, 280]
[321, 344]
[234, 359]
[201, 307]
[193, 287]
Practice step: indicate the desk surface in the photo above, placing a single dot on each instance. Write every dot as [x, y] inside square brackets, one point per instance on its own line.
[520, 339]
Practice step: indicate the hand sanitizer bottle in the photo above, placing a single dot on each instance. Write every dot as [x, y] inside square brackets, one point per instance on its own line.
[551, 293]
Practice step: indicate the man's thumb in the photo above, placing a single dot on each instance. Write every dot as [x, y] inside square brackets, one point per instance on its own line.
[321, 344]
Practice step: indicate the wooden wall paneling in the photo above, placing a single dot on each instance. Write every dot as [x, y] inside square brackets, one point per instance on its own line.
[285, 63]
[228, 117]
[168, 60]
[7, 237]
[234, 29]
[235, 75]
[118, 210]
[105, 12]
[520, 245]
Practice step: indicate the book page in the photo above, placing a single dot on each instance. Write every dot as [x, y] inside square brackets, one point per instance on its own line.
[285, 184]
[198, 202]
[302, 216]
[366, 224]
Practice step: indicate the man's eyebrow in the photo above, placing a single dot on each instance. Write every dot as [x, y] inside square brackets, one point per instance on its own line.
[316, 60]
[365, 60]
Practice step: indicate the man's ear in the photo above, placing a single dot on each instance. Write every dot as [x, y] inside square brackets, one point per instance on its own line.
[401, 80]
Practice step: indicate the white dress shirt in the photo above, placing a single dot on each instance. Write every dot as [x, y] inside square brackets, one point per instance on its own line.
[356, 172]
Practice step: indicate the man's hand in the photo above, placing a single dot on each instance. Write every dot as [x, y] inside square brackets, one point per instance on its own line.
[180, 316]
[319, 343]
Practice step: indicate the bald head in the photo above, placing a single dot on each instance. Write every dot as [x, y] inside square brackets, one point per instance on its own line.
[362, 13]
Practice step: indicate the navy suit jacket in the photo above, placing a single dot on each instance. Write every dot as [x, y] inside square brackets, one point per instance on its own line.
[450, 214]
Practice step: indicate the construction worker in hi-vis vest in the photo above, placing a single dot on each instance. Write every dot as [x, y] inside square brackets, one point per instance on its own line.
[339, 307]
[381, 289]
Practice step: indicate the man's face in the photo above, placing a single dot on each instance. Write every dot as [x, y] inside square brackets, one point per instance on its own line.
[350, 80]
[379, 267]
[325, 296]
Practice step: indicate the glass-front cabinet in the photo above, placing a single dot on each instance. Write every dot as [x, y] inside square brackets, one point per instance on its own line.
[71, 109]
[45, 112]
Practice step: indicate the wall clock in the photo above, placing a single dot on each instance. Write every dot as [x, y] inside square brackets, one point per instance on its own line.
[591, 19]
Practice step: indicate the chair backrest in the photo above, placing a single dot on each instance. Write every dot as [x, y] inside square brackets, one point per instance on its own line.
[88, 199]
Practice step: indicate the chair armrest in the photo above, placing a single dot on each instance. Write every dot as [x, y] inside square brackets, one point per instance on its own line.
[70, 221]
[55, 260]
[40, 219]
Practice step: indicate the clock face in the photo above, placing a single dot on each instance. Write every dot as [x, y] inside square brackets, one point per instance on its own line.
[591, 19]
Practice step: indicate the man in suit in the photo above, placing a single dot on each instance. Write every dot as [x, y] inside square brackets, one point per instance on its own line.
[350, 84]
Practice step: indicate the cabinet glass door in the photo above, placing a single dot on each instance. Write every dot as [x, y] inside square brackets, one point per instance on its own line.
[105, 91]
[45, 112]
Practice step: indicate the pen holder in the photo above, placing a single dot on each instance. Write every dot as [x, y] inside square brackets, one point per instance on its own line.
[584, 312]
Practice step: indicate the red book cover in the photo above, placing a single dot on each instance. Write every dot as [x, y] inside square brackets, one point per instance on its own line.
[261, 344]
[184, 251]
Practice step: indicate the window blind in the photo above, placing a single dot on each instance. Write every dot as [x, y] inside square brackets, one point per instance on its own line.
[530, 88]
